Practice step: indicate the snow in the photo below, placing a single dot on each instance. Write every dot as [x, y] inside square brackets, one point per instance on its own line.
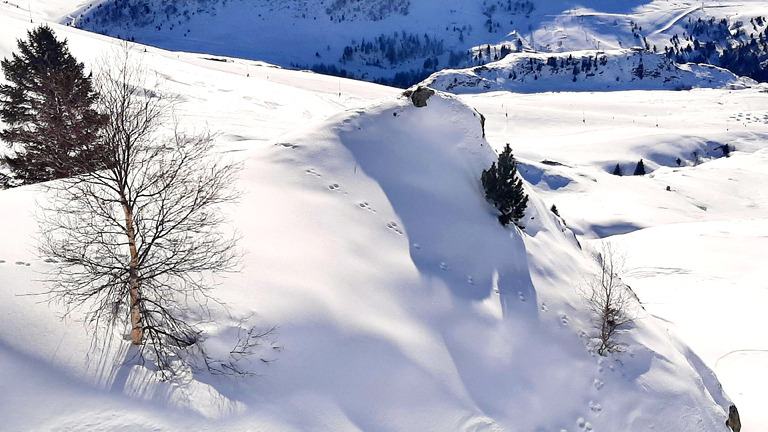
[401, 303]
[612, 70]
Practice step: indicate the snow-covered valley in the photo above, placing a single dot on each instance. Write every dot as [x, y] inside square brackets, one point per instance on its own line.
[401, 303]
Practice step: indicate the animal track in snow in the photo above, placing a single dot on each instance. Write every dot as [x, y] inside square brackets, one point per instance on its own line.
[366, 206]
[544, 307]
[312, 172]
[333, 187]
[470, 280]
[520, 296]
[599, 384]
[583, 424]
[595, 407]
[393, 226]
[22, 263]
[564, 320]
[444, 266]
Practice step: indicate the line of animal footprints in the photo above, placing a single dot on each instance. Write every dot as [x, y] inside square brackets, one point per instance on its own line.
[18, 263]
[392, 226]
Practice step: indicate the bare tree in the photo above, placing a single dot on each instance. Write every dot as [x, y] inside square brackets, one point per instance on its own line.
[138, 244]
[610, 300]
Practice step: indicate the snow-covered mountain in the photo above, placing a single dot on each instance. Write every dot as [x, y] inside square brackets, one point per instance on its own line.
[584, 71]
[401, 42]
[401, 303]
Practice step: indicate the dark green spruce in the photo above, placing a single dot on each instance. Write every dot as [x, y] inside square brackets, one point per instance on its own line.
[504, 188]
[48, 107]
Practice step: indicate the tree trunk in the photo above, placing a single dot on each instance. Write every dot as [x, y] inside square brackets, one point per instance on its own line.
[134, 288]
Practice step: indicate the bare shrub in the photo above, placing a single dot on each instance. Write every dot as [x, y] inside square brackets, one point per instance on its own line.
[610, 300]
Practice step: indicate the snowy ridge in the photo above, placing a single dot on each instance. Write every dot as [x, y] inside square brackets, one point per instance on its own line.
[584, 71]
[405, 179]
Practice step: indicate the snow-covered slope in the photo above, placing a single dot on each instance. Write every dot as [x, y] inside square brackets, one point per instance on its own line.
[584, 71]
[401, 42]
[402, 304]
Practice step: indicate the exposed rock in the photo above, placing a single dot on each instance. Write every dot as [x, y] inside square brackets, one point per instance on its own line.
[419, 96]
[733, 422]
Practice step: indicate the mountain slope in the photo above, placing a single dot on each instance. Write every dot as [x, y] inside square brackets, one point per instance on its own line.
[584, 71]
[402, 42]
[402, 304]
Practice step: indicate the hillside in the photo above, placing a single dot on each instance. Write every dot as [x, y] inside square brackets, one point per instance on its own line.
[401, 303]
[420, 330]
[402, 42]
[584, 71]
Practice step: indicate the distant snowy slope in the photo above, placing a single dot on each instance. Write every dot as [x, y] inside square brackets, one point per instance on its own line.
[401, 42]
[584, 71]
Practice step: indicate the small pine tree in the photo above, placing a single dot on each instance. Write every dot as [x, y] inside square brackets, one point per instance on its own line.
[617, 170]
[554, 210]
[640, 168]
[48, 107]
[504, 188]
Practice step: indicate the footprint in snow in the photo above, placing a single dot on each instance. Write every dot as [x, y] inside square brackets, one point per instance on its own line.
[333, 187]
[444, 266]
[2, 261]
[393, 226]
[544, 307]
[564, 320]
[583, 424]
[470, 280]
[520, 296]
[366, 206]
[22, 263]
[599, 384]
[312, 172]
[595, 407]
[50, 260]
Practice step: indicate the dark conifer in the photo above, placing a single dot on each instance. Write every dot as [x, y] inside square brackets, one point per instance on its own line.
[617, 170]
[640, 168]
[504, 188]
[48, 107]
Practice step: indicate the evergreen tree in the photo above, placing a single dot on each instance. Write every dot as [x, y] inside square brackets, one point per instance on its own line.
[640, 168]
[504, 188]
[554, 210]
[617, 170]
[48, 107]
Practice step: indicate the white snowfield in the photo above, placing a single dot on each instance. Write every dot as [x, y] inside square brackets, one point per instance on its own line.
[401, 303]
